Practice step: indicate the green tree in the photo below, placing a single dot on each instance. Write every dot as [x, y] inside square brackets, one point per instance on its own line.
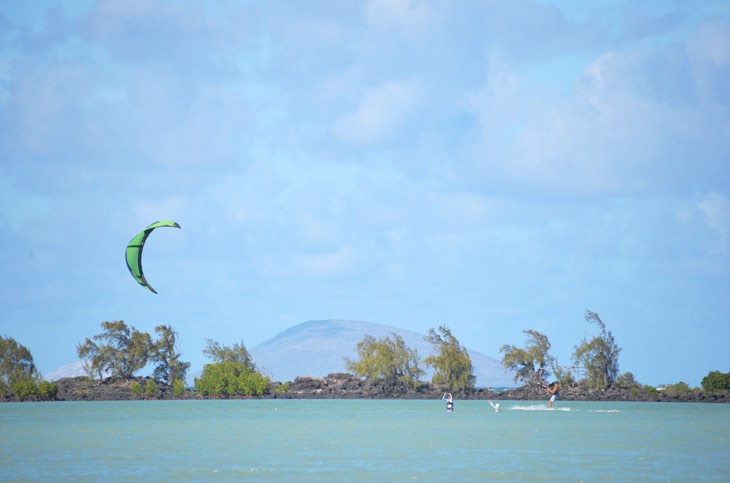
[118, 350]
[221, 353]
[16, 362]
[530, 364]
[166, 354]
[47, 390]
[451, 361]
[626, 381]
[388, 361]
[679, 389]
[19, 375]
[231, 378]
[716, 381]
[599, 356]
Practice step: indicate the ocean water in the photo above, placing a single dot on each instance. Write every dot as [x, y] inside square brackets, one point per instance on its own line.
[363, 440]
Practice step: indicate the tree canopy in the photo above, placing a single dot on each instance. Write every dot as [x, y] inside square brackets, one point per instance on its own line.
[16, 362]
[19, 375]
[388, 360]
[222, 353]
[231, 378]
[232, 373]
[451, 361]
[531, 363]
[166, 354]
[599, 355]
[716, 381]
[119, 350]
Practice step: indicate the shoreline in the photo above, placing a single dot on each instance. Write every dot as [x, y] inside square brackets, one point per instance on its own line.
[347, 386]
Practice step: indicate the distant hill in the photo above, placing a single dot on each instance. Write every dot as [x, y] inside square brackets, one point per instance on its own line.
[73, 369]
[316, 348]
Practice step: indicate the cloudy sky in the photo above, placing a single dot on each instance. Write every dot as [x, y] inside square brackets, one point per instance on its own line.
[491, 165]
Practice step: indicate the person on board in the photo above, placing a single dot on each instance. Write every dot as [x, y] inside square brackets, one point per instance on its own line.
[449, 402]
[494, 406]
[552, 389]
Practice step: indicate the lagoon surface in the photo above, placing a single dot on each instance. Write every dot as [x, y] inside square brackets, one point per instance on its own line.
[363, 440]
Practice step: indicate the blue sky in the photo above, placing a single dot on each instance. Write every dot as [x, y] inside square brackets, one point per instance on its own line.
[493, 166]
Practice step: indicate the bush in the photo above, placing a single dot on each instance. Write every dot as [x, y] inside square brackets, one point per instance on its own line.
[136, 389]
[651, 391]
[284, 388]
[47, 390]
[231, 379]
[678, 389]
[24, 389]
[178, 387]
[151, 389]
[626, 381]
[716, 381]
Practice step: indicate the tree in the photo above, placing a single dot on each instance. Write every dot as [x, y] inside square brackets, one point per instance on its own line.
[451, 361]
[16, 362]
[231, 378]
[716, 381]
[119, 350]
[19, 375]
[165, 353]
[599, 355]
[388, 360]
[221, 353]
[232, 372]
[530, 363]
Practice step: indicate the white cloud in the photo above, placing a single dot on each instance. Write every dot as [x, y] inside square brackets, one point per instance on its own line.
[630, 125]
[716, 210]
[382, 114]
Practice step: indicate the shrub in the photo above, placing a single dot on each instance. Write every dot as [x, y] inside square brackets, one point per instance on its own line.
[626, 381]
[47, 390]
[678, 389]
[178, 387]
[284, 387]
[136, 389]
[24, 389]
[651, 391]
[716, 381]
[231, 379]
[151, 389]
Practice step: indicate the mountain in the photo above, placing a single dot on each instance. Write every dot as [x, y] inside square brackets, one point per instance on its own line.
[73, 369]
[317, 347]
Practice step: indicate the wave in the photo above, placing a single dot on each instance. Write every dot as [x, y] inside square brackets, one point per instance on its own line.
[538, 407]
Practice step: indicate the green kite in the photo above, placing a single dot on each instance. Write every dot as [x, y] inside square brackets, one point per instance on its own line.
[134, 252]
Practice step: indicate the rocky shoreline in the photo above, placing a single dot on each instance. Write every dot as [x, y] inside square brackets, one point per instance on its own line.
[347, 386]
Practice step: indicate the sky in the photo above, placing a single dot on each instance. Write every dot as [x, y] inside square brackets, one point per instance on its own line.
[493, 166]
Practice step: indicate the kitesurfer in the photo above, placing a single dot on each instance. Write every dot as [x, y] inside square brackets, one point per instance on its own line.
[552, 389]
[449, 402]
[494, 406]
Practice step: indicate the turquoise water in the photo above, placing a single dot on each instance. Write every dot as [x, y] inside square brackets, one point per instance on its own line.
[363, 440]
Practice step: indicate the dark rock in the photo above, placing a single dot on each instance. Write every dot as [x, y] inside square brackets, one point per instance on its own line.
[348, 386]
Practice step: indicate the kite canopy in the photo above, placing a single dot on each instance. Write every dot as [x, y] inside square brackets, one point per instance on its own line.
[134, 252]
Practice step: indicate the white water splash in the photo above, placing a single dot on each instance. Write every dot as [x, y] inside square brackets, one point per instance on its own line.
[538, 407]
